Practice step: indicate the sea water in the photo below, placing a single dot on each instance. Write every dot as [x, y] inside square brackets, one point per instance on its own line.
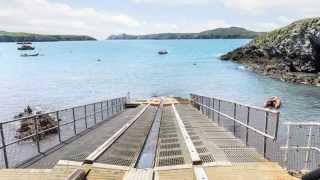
[69, 73]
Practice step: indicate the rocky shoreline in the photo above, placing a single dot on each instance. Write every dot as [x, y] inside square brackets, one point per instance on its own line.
[290, 54]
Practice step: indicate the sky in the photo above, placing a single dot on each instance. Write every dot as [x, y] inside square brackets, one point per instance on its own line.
[101, 18]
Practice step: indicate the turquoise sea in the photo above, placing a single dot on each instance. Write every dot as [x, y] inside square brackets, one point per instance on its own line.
[68, 73]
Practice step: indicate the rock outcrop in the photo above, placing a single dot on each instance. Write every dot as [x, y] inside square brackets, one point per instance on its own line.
[290, 54]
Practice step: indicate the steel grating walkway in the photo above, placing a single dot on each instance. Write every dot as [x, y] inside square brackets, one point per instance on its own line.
[80, 148]
[215, 144]
[117, 144]
[125, 150]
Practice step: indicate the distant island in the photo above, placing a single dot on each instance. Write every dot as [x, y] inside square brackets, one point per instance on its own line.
[291, 53]
[21, 36]
[219, 33]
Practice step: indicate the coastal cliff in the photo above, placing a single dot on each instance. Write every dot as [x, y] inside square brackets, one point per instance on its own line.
[20, 37]
[291, 53]
[219, 33]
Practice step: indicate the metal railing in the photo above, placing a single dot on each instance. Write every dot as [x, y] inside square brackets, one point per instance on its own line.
[296, 148]
[69, 123]
[302, 141]
[255, 126]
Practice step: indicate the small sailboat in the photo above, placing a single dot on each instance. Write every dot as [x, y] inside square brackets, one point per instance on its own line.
[163, 52]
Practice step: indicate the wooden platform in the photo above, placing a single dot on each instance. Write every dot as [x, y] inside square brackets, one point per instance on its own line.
[244, 171]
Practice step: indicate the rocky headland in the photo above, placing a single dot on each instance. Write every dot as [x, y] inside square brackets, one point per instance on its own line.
[22, 37]
[219, 33]
[290, 54]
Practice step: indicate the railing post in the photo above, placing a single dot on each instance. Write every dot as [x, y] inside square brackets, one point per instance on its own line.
[287, 145]
[235, 117]
[219, 110]
[277, 126]
[85, 116]
[58, 123]
[117, 105]
[124, 103]
[101, 110]
[212, 110]
[107, 109]
[128, 97]
[208, 107]
[74, 122]
[94, 113]
[309, 148]
[201, 104]
[37, 134]
[112, 107]
[4, 147]
[247, 130]
[265, 138]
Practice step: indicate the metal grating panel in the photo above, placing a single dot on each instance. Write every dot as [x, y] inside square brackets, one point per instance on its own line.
[173, 135]
[173, 140]
[169, 146]
[242, 155]
[126, 149]
[170, 153]
[207, 158]
[171, 161]
[202, 150]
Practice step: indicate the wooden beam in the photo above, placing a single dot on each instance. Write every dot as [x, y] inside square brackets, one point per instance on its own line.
[195, 158]
[139, 174]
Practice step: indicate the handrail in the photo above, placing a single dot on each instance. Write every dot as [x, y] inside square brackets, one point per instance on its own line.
[242, 104]
[301, 147]
[239, 122]
[302, 123]
[51, 112]
[113, 106]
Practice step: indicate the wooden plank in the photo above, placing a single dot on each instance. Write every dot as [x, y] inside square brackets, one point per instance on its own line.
[77, 174]
[162, 168]
[69, 163]
[195, 158]
[200, 173]
[110, 166]
[139, 174]
[101, 149]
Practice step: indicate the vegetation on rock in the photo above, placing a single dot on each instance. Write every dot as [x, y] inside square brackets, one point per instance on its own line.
[288, 53]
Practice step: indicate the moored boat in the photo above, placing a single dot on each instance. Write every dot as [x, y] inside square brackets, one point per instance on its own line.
[26, 47]
[163, 52]
[24, 42]
[28, 55]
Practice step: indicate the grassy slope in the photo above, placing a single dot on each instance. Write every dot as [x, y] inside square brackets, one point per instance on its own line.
[278, 35]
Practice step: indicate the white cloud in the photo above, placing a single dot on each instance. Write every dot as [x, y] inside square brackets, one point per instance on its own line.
[46, 16]
[174, 2]
[311, 7]
[43, 16]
